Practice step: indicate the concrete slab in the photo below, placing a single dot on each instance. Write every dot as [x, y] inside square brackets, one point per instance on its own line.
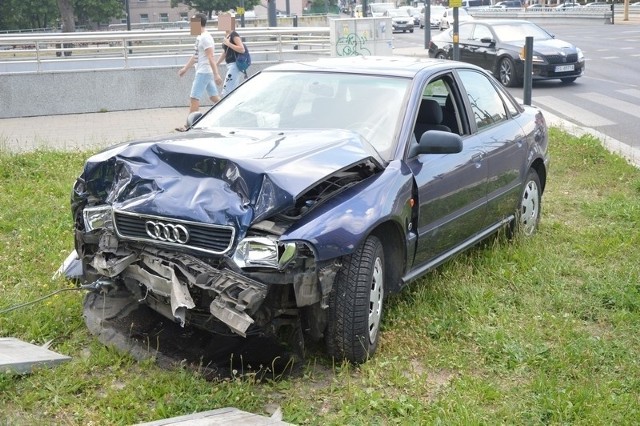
[20, 357]
[221, 416]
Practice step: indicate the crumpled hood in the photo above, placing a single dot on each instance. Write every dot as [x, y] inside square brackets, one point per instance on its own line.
[233, 178]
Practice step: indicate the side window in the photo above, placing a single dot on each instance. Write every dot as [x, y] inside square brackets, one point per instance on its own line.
[510, 103]
[486, 103]
[465, 31]
[481, 32]
[438, 108]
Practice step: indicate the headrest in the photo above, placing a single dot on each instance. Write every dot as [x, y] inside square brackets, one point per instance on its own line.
[430, 112]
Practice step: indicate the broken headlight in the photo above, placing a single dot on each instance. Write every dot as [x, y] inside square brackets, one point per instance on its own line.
[97, 218]
[263, 252]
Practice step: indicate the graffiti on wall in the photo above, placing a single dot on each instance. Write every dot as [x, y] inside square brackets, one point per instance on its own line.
[352, 45]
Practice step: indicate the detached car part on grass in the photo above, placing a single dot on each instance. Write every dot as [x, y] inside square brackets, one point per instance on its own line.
[297, 203]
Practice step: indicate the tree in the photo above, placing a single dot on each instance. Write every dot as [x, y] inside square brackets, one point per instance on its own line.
[67, 17]
[210, 7]
[28, 14]
[90, 13]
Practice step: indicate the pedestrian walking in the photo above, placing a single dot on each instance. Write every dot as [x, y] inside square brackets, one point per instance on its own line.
[232, 46]
[207, 76]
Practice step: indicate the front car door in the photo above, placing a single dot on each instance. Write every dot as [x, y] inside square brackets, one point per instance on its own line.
[451, 188]
[484, 51]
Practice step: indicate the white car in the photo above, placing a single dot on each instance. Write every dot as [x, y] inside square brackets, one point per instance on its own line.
[446, 20]
[435, 14]
[400, 20]
[415, 12]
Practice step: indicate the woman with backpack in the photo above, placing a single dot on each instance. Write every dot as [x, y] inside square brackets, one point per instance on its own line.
[233, 47]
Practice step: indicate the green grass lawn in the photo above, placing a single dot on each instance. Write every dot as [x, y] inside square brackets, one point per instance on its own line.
[534, 331]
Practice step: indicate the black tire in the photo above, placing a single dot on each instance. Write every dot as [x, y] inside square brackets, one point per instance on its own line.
[441, 55]
[411, 31]
[529, 207]
[568, 80]
[507, 73]
[356, 304]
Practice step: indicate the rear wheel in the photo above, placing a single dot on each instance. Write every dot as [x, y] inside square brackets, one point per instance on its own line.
[507, 73]
[528, 214]
[356, 303]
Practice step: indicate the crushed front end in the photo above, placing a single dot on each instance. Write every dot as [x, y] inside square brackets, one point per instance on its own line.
[198, 240]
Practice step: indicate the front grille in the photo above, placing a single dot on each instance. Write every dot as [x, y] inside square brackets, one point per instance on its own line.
[206, 238]
[559, 59]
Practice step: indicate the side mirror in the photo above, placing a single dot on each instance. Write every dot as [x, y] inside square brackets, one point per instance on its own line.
[193, 118]
[487, 40]
[437, 142]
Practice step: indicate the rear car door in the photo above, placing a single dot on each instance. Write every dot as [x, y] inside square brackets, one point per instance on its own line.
[502, 138]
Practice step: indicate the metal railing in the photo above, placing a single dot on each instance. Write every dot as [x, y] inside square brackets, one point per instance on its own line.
[59, 52]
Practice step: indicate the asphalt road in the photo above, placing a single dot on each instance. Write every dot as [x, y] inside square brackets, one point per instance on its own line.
[607, 97]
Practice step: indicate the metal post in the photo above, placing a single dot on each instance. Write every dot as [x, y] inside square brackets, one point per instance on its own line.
[528, 69]
[271, 13]
[242, 16]
[456, 36]
[613, 13]
[126, 3]
[427, 23]
[365, 6]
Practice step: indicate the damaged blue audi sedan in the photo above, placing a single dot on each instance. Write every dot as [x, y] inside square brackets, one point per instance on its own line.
[310, 193]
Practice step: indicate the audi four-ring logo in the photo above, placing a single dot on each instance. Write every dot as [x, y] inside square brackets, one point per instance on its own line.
[167, 232]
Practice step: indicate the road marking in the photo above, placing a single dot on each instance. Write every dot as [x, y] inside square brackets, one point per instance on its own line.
[612, 103]
[582, 116]
[611, 57]
[631, 92]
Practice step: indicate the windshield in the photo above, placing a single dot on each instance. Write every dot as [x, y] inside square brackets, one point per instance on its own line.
[371, 106]
[518, 32]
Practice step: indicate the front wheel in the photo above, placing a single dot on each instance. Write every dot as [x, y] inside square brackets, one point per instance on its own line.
[441, 55]
[568, 80]
[528, 214]
[356, 303]
[507, 73]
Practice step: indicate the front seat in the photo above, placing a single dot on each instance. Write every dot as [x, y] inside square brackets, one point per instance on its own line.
[429, 118]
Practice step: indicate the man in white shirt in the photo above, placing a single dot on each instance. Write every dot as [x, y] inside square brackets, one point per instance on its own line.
[207, 75]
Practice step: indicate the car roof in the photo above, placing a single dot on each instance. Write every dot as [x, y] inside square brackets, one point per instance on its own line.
[399, 66]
